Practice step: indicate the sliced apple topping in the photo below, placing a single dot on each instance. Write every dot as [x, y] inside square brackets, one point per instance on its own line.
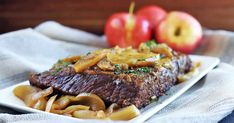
[72, 59]
[162, 49]
[90, 60]
[105, 65]
[146, 55]
[129, 56]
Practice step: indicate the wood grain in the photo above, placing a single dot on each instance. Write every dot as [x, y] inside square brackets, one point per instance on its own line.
[91, 15]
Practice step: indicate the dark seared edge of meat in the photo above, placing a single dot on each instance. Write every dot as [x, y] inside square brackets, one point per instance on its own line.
[121, 89]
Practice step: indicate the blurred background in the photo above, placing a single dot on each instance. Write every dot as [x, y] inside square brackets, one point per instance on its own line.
[91, 15]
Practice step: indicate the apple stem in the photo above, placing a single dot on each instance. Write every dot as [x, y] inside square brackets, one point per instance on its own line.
[130, 23]
[131, 8]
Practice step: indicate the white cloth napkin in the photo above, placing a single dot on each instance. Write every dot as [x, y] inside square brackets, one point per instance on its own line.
[57, 31]
[23, 51]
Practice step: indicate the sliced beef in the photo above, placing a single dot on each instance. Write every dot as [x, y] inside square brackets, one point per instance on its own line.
[123, 89]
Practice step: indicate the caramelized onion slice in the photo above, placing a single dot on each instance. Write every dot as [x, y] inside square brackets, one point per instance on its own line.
[87, 114]
[50, 103]
[30, 95]
[193, 71]
[113, 107]
[126, 113]
[71, 109]
[101, 114]
[42, 93]
[92, 100]
[64, 101]
[40, 104]
[24, 91]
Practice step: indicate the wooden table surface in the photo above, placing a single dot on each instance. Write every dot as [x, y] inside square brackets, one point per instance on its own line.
[91, 15]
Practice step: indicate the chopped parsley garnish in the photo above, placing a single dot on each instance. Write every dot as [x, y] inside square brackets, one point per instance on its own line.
[118, 69]
[59, 66]
[53, 73]
[62, 63]
[141, 59]
[59, 61]
[65, 64]
[150, 43]
[143, 69]
[56, 70]
[130, 71]
[88, 53]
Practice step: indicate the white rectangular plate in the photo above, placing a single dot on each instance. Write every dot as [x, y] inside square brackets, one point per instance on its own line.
[8, 99]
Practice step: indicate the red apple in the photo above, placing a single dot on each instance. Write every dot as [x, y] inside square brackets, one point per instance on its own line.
[154, 14]
[180, 31]
[124, 29]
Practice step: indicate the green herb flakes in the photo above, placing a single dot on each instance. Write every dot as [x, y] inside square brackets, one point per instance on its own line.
[118, 69]
[56, 70]
[88, 53]
[141, 59]
[143, 69]
[65, 64]
[62, 63]
[150, 43]
[59, 66]
[130, 71]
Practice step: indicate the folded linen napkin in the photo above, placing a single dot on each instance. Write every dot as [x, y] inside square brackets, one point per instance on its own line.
[208, 101]
[57, 31]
